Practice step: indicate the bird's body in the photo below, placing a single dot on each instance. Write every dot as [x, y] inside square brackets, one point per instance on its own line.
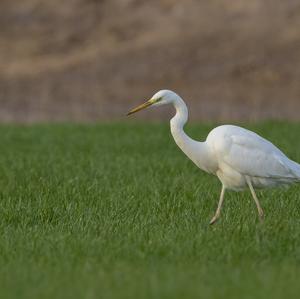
[238, 157]
[232, 153]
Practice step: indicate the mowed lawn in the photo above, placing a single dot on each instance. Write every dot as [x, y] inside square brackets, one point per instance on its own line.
[118, 211]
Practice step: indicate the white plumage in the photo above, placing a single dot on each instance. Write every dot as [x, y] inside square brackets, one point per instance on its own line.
[241, 153]
[238, 157]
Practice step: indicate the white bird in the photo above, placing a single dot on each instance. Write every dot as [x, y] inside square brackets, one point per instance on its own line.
[238, 157]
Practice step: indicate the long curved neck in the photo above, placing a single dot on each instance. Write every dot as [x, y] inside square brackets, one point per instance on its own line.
[195, 150]
[178, 122]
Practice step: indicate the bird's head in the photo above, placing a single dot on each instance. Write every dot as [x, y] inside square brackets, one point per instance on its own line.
[162, 97]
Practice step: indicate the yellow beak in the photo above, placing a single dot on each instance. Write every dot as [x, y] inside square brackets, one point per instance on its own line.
[143, 106]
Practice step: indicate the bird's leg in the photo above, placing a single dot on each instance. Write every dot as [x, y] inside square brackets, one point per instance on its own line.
[259, 209]
[218, 211]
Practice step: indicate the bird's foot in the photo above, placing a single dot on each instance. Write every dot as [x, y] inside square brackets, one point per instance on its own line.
[261, 215]
[214, 219]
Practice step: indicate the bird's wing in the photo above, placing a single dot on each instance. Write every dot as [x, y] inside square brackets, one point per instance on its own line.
[252, 155]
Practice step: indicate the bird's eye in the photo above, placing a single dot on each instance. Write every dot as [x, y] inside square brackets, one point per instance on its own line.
[159, 99]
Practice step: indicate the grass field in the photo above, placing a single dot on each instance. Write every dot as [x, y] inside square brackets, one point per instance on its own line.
[117, 211]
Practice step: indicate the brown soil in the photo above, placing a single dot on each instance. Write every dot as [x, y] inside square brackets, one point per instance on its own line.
[89, 60]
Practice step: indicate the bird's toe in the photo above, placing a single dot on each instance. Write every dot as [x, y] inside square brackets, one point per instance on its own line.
[261, 215]
[213, 220]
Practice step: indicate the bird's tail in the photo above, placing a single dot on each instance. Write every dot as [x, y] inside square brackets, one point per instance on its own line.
[295, 168]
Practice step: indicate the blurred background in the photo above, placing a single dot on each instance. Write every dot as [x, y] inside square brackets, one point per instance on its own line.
[92, 60]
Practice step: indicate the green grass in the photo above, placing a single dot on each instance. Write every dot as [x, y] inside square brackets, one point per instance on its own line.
[117, 211]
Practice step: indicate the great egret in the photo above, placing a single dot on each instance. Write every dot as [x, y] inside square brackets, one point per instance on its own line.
[238, 157]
